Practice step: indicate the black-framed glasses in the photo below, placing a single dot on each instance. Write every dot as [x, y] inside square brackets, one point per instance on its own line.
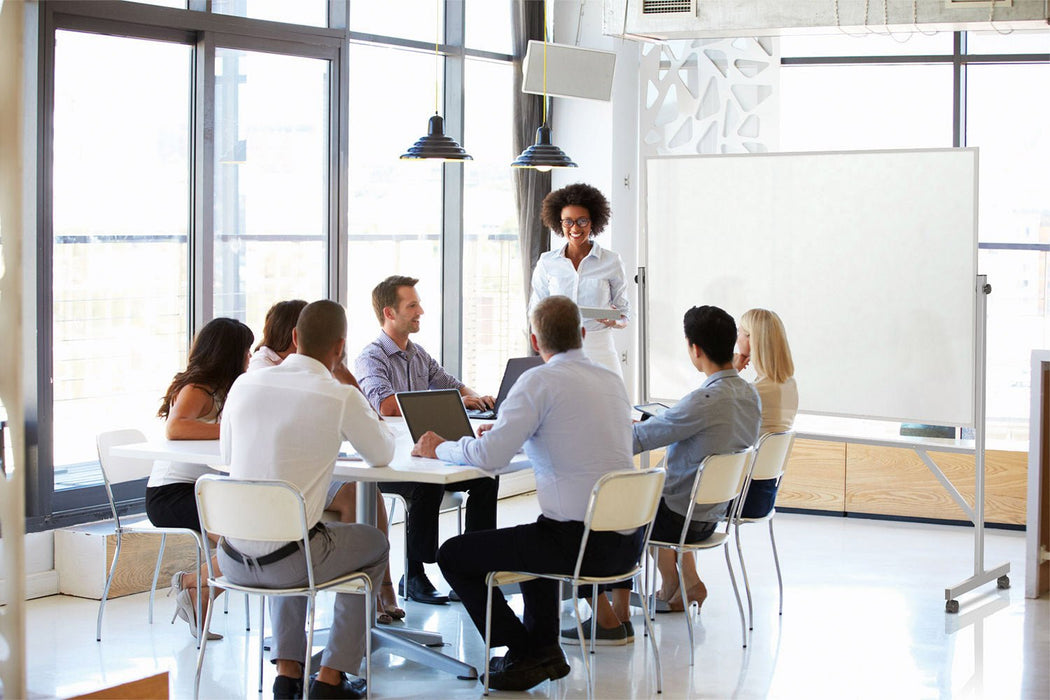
[582, 222]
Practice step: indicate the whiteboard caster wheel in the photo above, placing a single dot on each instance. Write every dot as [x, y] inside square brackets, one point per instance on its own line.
[952, 606]
[1002, 582]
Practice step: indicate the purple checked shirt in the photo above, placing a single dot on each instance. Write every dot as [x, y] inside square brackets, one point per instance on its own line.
[383, 369]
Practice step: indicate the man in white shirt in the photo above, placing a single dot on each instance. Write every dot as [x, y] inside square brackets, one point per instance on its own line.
[573, 419]
[287, 422]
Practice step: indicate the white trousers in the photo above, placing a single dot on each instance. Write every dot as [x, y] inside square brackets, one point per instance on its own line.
[599, 348]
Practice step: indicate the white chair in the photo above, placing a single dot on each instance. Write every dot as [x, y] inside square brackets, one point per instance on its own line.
[270, 511]
[719, 478]
[119, 470]
[620, 500]
[770, 460]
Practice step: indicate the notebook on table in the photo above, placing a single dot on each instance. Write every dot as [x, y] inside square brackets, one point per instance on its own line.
[516, 366]
[441, 411]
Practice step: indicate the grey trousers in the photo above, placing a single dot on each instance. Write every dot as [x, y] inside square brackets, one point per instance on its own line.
[342, 548]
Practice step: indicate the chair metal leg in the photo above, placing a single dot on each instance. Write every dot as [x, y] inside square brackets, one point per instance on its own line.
[583, 644]
[776, 560]
[687, 606]
[262, 636]
[247, 614]
[736, 592]
[369, 622]
[652, 643]
[747, 583]
[226, 605]
[156, 574]
[309, 645]
[488, 632]
[105, 591]
[200, 604]
[202, 639]
[459, 519]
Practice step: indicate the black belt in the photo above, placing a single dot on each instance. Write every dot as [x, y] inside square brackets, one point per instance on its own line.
[276, 555]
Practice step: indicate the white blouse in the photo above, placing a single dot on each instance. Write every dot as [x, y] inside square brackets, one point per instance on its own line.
[600, 281]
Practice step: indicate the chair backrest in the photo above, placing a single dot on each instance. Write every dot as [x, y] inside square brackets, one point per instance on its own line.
[625, 500]
[115, 469]
[720, 478]
[267, 511]
[771, 455]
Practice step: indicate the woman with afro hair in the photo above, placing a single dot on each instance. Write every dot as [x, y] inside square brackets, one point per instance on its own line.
[582, 270]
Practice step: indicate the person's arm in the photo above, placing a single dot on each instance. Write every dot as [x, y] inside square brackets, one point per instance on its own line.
[373, 372]
[343, 375]
[685, 419]
[371, 437]
[184, 416]
[519, 418]
[472, 399]
[620, 300]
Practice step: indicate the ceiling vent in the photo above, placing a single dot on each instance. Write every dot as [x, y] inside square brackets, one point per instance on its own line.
[664, 7]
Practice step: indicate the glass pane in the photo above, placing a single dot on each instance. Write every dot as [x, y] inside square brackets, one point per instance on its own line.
[310, 12]
[423, 20]
[1018, 322]
[494, 325]
[271, 182]
[1006, 112]
[874, 43]
[395, 205]
[1018, 41]
[121, 213]
[489, 26]
[865, 107]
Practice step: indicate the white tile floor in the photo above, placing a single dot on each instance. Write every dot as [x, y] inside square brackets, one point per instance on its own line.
[863, 618]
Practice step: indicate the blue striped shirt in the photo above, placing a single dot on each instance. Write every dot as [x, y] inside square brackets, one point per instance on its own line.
[383, 369]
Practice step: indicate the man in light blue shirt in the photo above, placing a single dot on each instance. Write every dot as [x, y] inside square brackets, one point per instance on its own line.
[573, 419]
[723, 415]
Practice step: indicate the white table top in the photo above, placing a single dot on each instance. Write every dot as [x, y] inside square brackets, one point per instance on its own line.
[404, 467]
[885, 434]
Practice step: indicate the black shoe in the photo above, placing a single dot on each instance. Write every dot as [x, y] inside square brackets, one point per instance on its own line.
[453, 596]
[420, 589]
[615, 636]
[513, 672]
[349, 687]
[287, 688]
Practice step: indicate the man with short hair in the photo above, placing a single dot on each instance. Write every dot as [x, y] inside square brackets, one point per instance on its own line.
[287, 423]
[573, 419]
[393, 363]
[721, 416]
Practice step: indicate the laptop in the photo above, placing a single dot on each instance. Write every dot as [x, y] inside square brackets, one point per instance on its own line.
[441, 411]
[516, 366]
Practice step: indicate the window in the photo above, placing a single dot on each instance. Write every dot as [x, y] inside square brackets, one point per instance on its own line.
[121, 214]
[271, 184]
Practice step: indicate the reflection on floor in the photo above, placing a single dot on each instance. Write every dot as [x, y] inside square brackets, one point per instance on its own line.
[863, 617]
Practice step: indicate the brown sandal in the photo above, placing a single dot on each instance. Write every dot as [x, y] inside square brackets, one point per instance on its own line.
[390, 610]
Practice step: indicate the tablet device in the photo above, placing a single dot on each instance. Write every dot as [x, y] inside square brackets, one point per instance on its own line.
[651, 409]
[597, 312]
[441, 411]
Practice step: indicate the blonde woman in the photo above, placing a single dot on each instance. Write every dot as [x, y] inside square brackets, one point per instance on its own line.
[762, 343]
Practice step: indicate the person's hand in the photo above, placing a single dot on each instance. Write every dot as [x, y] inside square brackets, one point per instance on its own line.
[343, 375]
[610, 323]
[484, 428]
[740, 361]
[479, 403]
[427, 445]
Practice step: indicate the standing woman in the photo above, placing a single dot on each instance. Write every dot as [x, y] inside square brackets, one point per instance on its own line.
[191, 409]
[581, 269]
[762, 341]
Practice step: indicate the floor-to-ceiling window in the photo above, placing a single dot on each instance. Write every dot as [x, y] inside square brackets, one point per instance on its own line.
[216, 159]
[984, 89]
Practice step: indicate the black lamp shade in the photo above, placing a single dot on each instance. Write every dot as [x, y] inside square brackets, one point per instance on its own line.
[543, 155]
[436, 145]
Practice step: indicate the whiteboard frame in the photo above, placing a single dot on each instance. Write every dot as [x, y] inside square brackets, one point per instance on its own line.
[644, 364]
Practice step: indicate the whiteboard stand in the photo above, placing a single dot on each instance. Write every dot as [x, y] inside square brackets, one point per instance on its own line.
[981, 576]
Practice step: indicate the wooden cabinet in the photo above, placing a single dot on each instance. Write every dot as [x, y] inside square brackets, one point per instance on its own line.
[815, 477]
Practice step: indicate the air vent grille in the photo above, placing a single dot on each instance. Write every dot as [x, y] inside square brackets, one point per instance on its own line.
[662, 7]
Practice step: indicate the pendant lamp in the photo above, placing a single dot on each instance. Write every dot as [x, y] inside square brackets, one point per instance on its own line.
[435, 145]
[543, 155]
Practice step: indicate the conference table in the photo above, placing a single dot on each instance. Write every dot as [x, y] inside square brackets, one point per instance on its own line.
[415, 645]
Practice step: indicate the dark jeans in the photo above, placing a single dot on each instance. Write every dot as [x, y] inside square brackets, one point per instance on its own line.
[545, 546]
[424, 506]
[761, 497]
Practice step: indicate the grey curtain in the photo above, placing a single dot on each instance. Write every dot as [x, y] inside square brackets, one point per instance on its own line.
[531, 186]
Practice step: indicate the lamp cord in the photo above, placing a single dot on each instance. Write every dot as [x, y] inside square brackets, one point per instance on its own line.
[544, 61]
[437, 60]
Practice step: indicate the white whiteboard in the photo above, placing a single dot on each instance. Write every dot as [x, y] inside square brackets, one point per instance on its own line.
[869, 257]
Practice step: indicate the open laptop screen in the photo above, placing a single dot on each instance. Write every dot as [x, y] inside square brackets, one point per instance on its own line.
[441, 411]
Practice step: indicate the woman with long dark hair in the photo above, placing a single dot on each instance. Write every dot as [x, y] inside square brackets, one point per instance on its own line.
[191, 409]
